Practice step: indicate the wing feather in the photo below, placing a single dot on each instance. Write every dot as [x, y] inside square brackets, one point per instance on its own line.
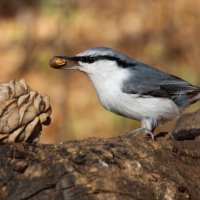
[148, 81]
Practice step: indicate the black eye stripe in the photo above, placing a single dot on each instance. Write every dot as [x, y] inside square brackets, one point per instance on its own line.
[84, 59]
[92, 59]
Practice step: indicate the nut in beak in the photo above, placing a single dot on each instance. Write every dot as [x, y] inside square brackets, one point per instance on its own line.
[64, 63]
[57, 62]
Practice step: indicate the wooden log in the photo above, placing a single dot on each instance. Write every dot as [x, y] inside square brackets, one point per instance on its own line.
[123, 167]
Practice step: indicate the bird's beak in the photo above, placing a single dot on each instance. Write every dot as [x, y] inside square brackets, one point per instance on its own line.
[63, 62]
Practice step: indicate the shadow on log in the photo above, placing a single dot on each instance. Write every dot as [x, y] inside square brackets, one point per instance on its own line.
[117, 168]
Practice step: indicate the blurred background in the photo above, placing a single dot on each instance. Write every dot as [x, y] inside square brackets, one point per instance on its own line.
[164, 34]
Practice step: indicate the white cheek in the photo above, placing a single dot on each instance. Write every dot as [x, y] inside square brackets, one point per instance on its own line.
[84, 67]
[98, 67]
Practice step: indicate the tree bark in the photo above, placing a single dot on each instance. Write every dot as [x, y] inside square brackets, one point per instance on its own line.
[123, 167]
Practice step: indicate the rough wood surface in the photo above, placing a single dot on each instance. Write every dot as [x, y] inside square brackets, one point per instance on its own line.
[117, 168]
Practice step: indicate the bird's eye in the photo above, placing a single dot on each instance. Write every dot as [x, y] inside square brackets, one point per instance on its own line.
[90, 59]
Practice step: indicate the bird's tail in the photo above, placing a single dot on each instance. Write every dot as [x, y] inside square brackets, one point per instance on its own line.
[195, 96]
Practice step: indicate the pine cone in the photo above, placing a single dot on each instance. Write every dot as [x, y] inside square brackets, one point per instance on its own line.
[22, 112]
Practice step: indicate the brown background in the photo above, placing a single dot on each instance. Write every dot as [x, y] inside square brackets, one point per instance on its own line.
[162, 33]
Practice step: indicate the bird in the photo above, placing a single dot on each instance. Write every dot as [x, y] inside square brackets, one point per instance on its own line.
[130, 88]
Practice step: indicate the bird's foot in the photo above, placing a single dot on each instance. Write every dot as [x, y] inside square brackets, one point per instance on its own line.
[135, 132]
[170, 136]
[166, 135]
[150, 134]
[139, 131]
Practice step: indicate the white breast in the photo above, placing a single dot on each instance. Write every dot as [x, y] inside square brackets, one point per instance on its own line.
[108, 85]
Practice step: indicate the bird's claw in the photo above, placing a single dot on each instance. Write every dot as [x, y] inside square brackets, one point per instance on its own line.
[149, 133]
[170, 136]
[135, 132]
[139, 131]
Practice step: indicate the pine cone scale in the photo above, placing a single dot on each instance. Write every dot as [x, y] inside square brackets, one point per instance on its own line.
[22, 112]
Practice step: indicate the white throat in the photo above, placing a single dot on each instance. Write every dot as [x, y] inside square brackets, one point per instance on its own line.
[107, 79]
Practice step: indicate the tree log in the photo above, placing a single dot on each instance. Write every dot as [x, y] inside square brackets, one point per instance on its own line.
[123, 167]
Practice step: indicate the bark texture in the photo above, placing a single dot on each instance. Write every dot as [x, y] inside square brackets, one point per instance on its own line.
[116, 168]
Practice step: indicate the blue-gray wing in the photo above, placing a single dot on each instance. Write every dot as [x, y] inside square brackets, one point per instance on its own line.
[148, 81]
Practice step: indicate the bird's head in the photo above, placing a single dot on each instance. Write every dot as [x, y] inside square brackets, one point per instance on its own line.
[92, 61]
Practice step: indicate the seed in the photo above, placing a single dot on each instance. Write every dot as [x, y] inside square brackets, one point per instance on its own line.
[56, 62]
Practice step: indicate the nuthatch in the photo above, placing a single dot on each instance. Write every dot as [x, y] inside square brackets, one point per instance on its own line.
[131, 88]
